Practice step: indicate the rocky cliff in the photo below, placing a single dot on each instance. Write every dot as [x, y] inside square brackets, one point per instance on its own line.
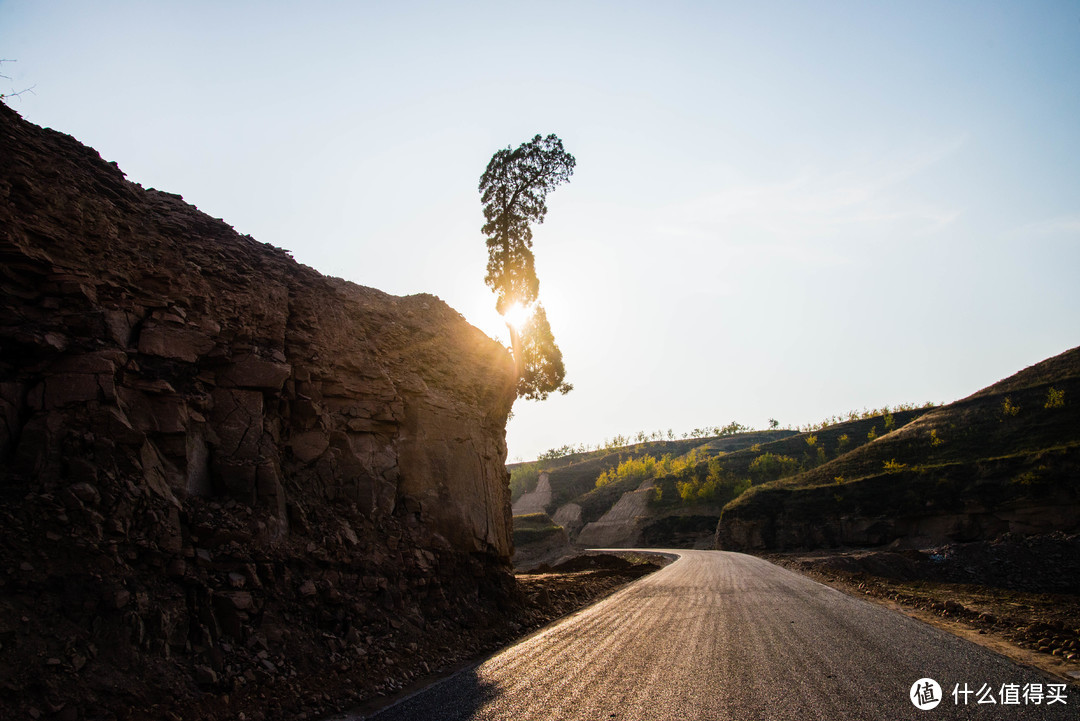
[219, 469]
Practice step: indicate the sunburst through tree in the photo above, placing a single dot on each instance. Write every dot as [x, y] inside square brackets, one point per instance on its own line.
[513, 189]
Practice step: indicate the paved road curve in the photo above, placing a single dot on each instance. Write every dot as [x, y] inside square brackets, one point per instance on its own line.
[720, 635]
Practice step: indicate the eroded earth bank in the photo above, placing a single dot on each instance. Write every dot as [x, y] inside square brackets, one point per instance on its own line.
[229, 486]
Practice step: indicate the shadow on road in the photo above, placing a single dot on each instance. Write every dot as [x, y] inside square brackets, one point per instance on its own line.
[458, 698]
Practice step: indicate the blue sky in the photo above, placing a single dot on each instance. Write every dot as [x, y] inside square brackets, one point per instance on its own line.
[783, 210]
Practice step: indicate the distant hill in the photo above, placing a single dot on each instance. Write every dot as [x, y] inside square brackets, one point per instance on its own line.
[566, 489]
[1006, 458]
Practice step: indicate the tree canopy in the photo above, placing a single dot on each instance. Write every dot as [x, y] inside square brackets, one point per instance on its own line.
[539, 360]
[513, 190]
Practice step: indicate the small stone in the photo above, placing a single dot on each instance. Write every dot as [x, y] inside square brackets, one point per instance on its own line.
[53, 662]
[25, 566]
[205, 676]
[122, 597]
[86, 493]
[240, 600]
[308, 588]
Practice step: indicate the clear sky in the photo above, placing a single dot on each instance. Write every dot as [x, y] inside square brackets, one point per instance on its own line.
[780, 209]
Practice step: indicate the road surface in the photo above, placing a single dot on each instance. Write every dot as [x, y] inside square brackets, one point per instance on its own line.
[719, 635]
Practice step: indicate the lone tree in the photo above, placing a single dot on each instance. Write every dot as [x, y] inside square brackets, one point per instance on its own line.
[513, 189]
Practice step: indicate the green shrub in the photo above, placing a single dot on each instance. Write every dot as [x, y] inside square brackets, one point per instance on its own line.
[523, 479]
[1008, 408]
[646, 466]
[770, 467]
[1054, 399]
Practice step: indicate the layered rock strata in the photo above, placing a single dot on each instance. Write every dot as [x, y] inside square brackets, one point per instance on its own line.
[214, 461]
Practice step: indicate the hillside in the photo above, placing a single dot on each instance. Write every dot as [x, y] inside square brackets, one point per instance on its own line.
[566, 488]
[224, 477]
[1006, 458]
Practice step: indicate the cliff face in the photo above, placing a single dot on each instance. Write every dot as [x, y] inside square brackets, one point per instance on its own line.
[210, 443]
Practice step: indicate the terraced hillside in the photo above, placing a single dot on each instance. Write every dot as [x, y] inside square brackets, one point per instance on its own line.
[1006, 458]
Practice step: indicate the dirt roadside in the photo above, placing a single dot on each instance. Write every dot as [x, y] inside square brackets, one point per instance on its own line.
[548, 593]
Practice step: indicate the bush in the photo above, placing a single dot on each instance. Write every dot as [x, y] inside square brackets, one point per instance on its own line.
[637, 469]
[719, 486]
[1054, 399]
[646, 466]
[770, 467]
[523, 479]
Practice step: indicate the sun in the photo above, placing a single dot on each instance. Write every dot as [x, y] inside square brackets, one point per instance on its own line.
[518, 315]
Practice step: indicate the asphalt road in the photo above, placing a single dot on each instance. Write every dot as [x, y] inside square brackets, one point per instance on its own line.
[719, 635]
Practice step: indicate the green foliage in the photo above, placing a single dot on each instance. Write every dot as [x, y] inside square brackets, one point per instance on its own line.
[894, 466]
[770, 467]
[533, 527]
[532, 520]
[890, 422]
[815, 454]
[1008, 408]
[624, 441]
[872, 434]
[513, 189]
[1054, 398]
[523, 479]
[865, 414]
[637, 469]
[1026, 478]
[1031, 477]
[556, 453]
[539, 360]
[935, 441]
[842, 443]
[718, 485]
[646, 466]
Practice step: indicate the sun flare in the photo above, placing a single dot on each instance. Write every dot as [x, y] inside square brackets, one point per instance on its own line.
[518, 315]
